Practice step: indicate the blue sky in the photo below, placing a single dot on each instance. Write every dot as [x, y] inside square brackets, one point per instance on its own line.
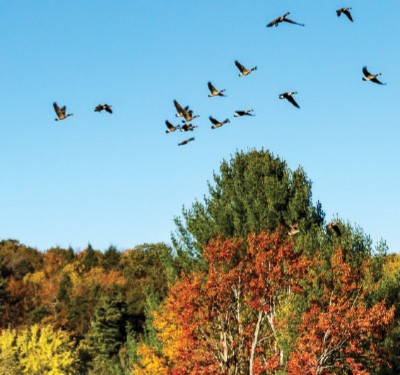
[119, 179]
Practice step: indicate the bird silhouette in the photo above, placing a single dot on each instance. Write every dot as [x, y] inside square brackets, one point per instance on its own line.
[214, 91]
[179, 109]
[371, 77]
[289, 96]
[345, 11]
[187, 127]
[243, 70]
[216, 123]
[247, 112]
[186, 141]
[333, 227]
[60, 112]
[171, 127]
[103, 107]
[281, 19]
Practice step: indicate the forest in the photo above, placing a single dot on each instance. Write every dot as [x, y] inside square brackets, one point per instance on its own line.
[253, 282]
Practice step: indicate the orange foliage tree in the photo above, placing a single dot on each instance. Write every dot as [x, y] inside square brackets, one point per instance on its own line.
[339, 332]
[227, 319]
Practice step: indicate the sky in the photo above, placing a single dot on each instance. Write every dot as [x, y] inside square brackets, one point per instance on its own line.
[120, 179]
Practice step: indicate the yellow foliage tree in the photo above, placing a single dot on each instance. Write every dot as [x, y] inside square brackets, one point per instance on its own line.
[36, 350]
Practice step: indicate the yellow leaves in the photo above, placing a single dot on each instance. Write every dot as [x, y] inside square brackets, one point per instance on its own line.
[150, 362]
[35, 351]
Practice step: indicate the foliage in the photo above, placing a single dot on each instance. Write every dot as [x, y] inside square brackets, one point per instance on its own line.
[36, 351]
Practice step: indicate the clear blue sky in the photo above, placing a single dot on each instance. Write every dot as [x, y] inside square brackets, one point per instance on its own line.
[119, 179]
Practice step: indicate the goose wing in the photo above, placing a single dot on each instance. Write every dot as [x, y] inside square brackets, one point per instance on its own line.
[376, 80]
[108, 108]
[213, 120]
[212, 89]
[293, 22]
[178, 107]
[169, 125]
[57, 109]
[366, 72]
[291, 100]
[99, 108]
[348, 14]
[240, 66]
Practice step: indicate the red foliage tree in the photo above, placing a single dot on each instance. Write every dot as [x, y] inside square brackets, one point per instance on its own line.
[339, 332]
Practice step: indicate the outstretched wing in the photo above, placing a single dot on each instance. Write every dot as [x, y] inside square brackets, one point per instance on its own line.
[366, 72]
[293, 22]
[211, 88]
[348, 14]
[57, 109]
[213, 120]
[376, 80]
[178, 107]
[291, 100]
[108, 108]
[169, 125]
[240, 66]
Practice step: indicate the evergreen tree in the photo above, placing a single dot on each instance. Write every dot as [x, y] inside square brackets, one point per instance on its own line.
[254, 191]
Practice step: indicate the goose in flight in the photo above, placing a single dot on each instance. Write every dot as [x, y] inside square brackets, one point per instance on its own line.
[188, 115]
[186, 141]
[371, 77]
[289, 97]
[216, 123]
[179, 109]
[243, 70]
[171, 128]
[103, 107]
[281, 19]
[345, 11]
[60, 112]
[333, 227]
[214, 91]
[187, 127]
[247, 112]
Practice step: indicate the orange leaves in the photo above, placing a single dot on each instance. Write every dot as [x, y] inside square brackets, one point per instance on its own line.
[340, 331]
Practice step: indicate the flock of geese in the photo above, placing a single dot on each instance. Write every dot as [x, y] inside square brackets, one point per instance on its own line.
[188, 115]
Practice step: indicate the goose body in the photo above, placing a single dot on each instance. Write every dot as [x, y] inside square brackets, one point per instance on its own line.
[289, 96]
[216, 123]
[247, 112]
[171, 127]
[281, 19]
[103, 107]
[346, 12]
[60, 112]
[187, 127]
[214, 91]
[188, 115]
[371, 77]
[179, 109]
[333, 228]
[243, 70]
[186, 141]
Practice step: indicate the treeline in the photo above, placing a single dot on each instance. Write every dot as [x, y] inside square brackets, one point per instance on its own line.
[253, 284]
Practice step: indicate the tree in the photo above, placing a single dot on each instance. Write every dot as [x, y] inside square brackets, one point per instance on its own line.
[340, 333]
[229, 319]
[35, 351]
[253, 192]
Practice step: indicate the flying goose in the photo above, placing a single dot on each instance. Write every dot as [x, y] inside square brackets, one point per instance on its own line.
[283, 18]
[216, 123]
[171, 128]
[371, 77]
[179, 109]
[214, 91]
[103, 107]
[188, 115]
[345, 11]
[187, 127]
[243, 70]
[333, 227]
[243, 113]
[60, 112]
[289, 97]
[186, 141]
